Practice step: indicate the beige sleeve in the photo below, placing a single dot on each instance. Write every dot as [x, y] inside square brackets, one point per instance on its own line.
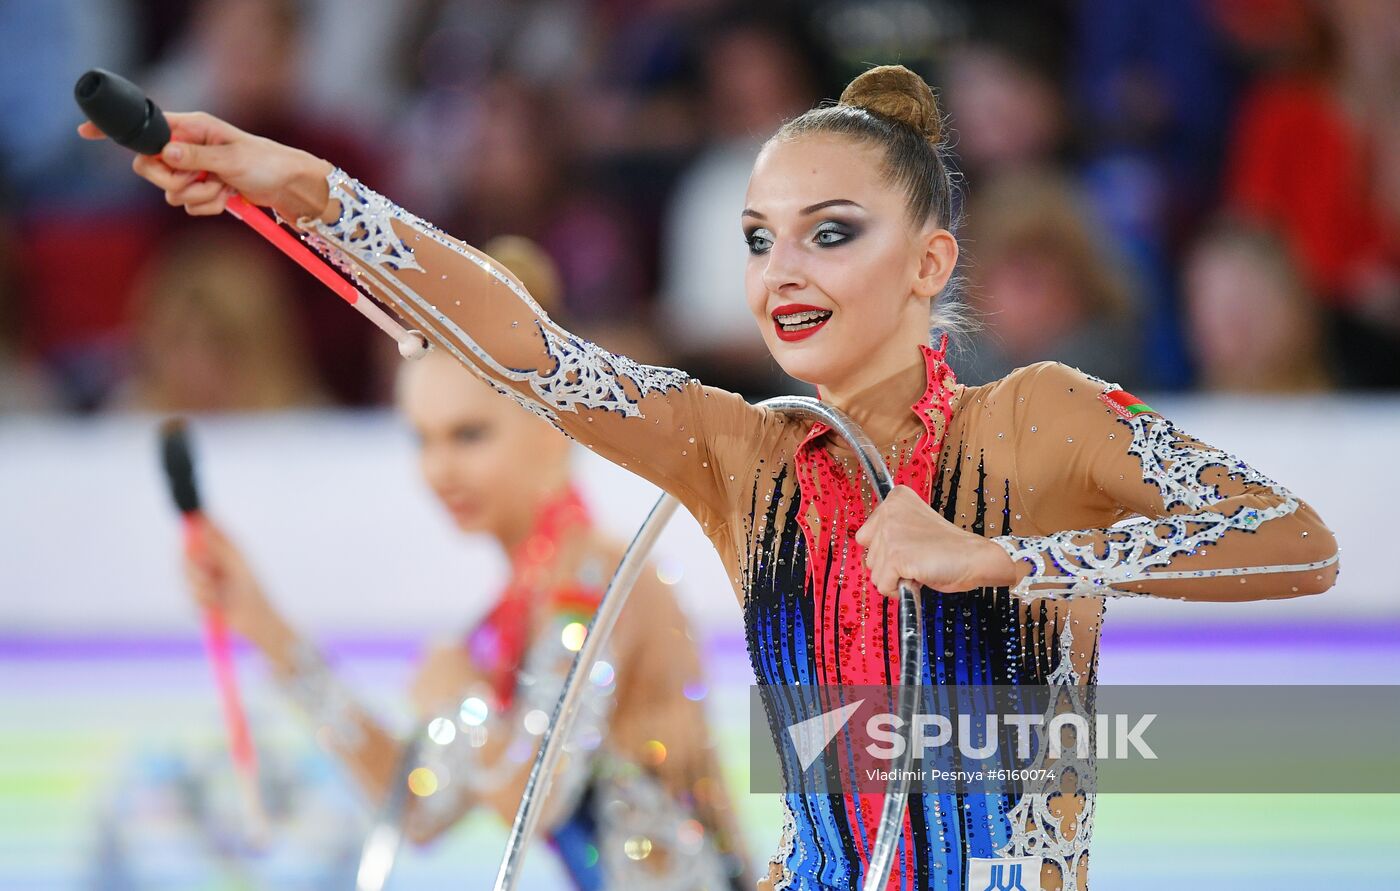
[658, 422]
[1174, 517]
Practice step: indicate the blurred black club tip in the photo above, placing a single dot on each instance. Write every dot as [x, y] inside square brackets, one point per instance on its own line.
[177, 456]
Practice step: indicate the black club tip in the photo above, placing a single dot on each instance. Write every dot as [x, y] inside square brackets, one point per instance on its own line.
[121, 109]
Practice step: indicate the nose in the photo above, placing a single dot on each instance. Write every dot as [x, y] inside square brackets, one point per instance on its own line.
[436, 466]
[783, 269]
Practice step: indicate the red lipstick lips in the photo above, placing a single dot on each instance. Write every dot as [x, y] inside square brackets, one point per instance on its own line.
[798, 321]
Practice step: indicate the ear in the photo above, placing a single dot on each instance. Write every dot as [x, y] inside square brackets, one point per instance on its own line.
[937, 258]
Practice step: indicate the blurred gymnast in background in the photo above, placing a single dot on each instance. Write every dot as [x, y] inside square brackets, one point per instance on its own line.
[485, 697]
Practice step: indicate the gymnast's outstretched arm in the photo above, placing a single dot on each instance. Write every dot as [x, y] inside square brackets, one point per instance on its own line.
[657, 422]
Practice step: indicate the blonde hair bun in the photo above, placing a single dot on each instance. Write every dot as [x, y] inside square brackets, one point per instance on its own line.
[899, 94]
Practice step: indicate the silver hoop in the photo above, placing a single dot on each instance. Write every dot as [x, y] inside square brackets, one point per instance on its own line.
[910, 647]
[381, 847]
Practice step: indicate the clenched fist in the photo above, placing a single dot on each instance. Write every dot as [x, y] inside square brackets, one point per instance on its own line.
[905, 538]
[207, 160]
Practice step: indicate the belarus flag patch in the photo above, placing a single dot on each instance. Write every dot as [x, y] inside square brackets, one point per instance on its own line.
[1125, 404]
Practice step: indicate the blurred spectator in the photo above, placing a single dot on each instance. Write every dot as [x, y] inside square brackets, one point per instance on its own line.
[1043, 285]
[62, 192]
[1152, 90]
[1312, 156]
[1299, 159]
[1004, 98]
[754, 80]
[23, 385]
[851, 34]
[75, 314]
[215, 332]
[1253, 325]
[619, 135]
[520, 178]
[244, 60]
[1151, 82]
[45, 45]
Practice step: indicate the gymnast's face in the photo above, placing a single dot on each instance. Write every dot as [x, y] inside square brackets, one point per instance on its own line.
[484, 458]
[838, 279]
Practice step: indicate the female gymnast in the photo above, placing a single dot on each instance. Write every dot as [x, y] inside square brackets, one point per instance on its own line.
[642, 804]
[1010, 494]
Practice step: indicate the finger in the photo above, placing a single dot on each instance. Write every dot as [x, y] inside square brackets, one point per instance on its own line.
[889, 583]
[214, 535]
[197, 192]
[155, 171]
[205, 595]
[209, 208]
[877, 580]
[219, 545]
[201, 584]
[88, 130]
[200, 127]
[208, 566]
[216, 159]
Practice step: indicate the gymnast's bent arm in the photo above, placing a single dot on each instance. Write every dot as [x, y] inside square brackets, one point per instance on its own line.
[470, 769]
[1171, 516]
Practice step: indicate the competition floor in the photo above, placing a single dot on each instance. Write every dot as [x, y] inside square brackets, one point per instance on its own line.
[123, 786]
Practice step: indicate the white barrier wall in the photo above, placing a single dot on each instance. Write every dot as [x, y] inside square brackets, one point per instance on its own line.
[349, 542]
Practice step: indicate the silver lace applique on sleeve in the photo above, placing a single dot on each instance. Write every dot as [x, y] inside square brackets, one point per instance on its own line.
[579, 374]
[320, 695]
[1140, 550]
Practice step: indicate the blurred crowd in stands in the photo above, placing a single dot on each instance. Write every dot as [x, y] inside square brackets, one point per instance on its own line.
[1195, 194]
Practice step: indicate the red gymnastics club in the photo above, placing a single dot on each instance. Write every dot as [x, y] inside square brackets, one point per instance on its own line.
[129, 118]
[178, 460]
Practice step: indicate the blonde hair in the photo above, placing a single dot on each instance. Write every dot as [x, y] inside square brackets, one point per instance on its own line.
[230, 293]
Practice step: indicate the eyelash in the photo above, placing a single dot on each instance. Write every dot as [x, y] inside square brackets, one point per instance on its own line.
[829, 227]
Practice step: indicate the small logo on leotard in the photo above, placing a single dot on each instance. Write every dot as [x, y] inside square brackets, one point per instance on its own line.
[1003, 874]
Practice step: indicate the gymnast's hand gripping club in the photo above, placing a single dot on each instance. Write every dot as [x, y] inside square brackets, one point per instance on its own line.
[119, 108]
[178, 460]
[887, 836]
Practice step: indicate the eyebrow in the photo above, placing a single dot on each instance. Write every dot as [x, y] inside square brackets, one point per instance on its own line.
[820, 205]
